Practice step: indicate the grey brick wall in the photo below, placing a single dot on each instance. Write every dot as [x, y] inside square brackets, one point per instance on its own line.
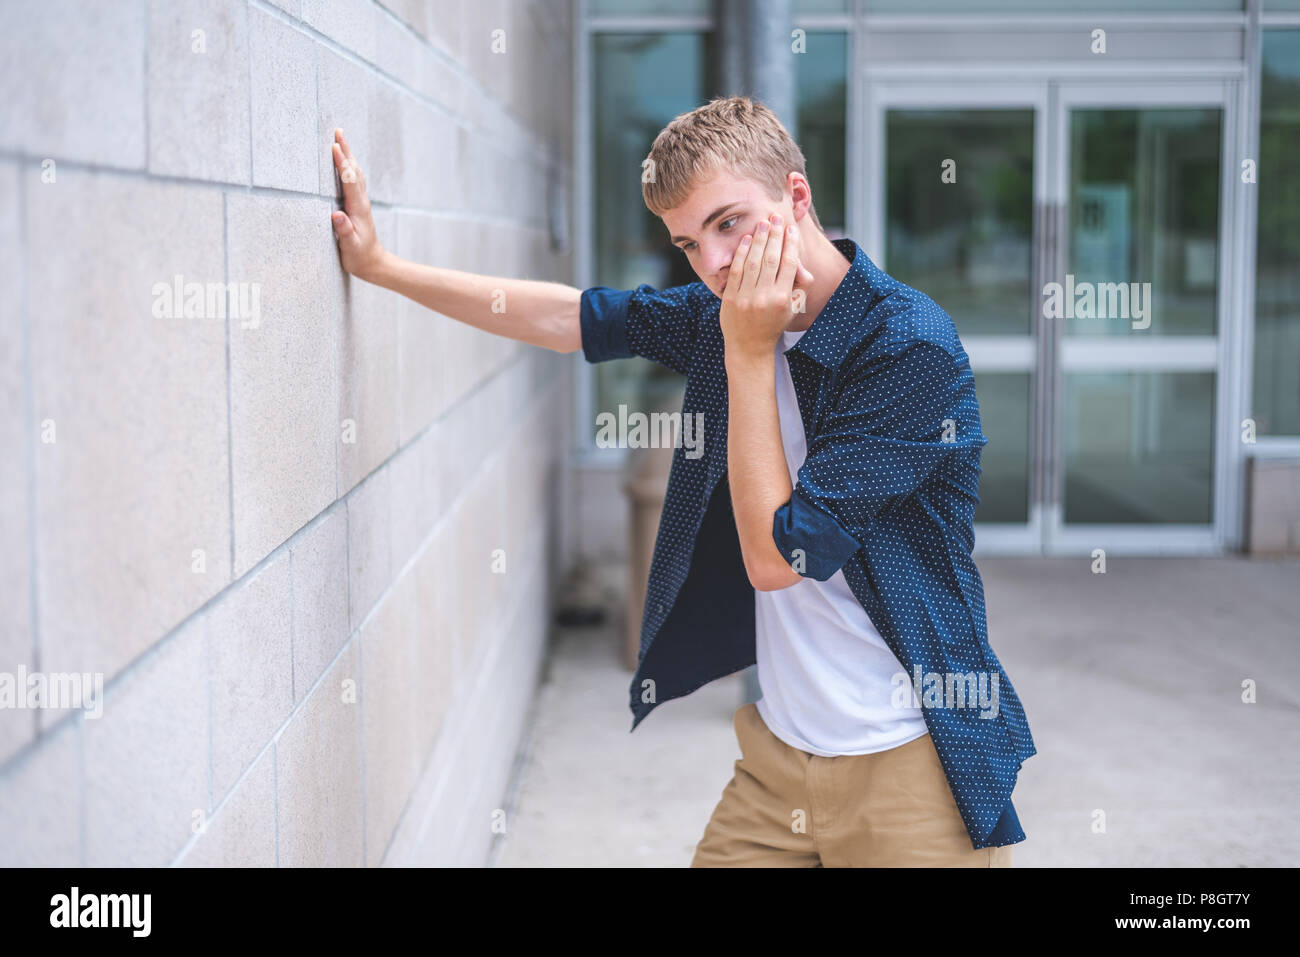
[274, 535]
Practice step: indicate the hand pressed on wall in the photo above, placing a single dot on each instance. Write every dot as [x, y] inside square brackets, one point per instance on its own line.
[354, 229]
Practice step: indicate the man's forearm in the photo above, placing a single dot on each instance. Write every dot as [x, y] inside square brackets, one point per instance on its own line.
[540, 313]
[759, 476]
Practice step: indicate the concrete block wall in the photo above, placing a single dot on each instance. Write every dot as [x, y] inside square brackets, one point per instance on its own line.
[274, 534]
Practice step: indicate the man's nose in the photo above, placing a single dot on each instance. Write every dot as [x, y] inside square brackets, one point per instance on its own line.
[719, 260]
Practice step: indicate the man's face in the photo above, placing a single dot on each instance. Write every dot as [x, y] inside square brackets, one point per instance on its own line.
[709, 225]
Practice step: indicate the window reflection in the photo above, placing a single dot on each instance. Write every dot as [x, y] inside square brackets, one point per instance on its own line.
[1144, 209]
[821, 130]
[1004, 401]
[1138, 447]
[1276, 398]
[960, 201]
[643, 80]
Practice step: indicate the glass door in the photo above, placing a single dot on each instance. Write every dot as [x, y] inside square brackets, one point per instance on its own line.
[1131, 315]
[956, 187]
[1073, 231]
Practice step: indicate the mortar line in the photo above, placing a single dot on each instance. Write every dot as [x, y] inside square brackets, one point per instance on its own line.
[230, 391]
[465, 216]
[248, 72]
[207, 668]
[144, 79]
[355, 636]
[80, 732]
[293, 626]
[29, 408]
[275, 796]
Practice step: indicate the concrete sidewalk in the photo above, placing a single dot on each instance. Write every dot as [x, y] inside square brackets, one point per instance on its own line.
[1131, 681]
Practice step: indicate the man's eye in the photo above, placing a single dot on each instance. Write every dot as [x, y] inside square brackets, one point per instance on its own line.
[722, 228]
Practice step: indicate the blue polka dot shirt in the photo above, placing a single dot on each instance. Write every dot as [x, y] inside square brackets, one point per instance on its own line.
[887, 493]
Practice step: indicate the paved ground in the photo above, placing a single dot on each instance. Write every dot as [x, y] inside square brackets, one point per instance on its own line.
[1131, 681]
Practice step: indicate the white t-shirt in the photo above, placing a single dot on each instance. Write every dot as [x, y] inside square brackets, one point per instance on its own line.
[829, 681]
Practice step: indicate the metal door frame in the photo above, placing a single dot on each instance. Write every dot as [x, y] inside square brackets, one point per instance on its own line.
[987, 353]
[1043, 353]
[1190, 353]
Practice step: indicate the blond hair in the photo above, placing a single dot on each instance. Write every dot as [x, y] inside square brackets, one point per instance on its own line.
[735, 133]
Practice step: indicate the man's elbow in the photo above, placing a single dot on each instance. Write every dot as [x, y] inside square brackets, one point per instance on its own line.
[773, 578]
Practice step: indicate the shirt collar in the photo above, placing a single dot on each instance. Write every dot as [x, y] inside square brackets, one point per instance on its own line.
[828, 339]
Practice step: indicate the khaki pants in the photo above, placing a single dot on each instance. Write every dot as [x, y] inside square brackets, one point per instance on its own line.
[787, 808]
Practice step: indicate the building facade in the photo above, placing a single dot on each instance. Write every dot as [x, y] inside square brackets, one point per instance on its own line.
[1102, 196]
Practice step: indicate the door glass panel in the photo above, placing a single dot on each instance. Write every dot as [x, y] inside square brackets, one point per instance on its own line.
[1144, 224]
[822, 85]
[666, 8]
[1057, 6]
[960, 200]
[643, 80]
[820, 6]
[1138, 447]
[1276, 404]
[1004, 400]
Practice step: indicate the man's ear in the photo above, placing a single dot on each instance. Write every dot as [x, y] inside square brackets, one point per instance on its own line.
[800, 194]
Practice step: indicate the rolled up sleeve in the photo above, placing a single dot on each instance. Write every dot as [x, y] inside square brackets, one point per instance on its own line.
[894, 421]
[656, 324]
[812, 540]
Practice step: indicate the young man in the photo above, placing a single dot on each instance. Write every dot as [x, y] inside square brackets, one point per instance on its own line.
[825, 533]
